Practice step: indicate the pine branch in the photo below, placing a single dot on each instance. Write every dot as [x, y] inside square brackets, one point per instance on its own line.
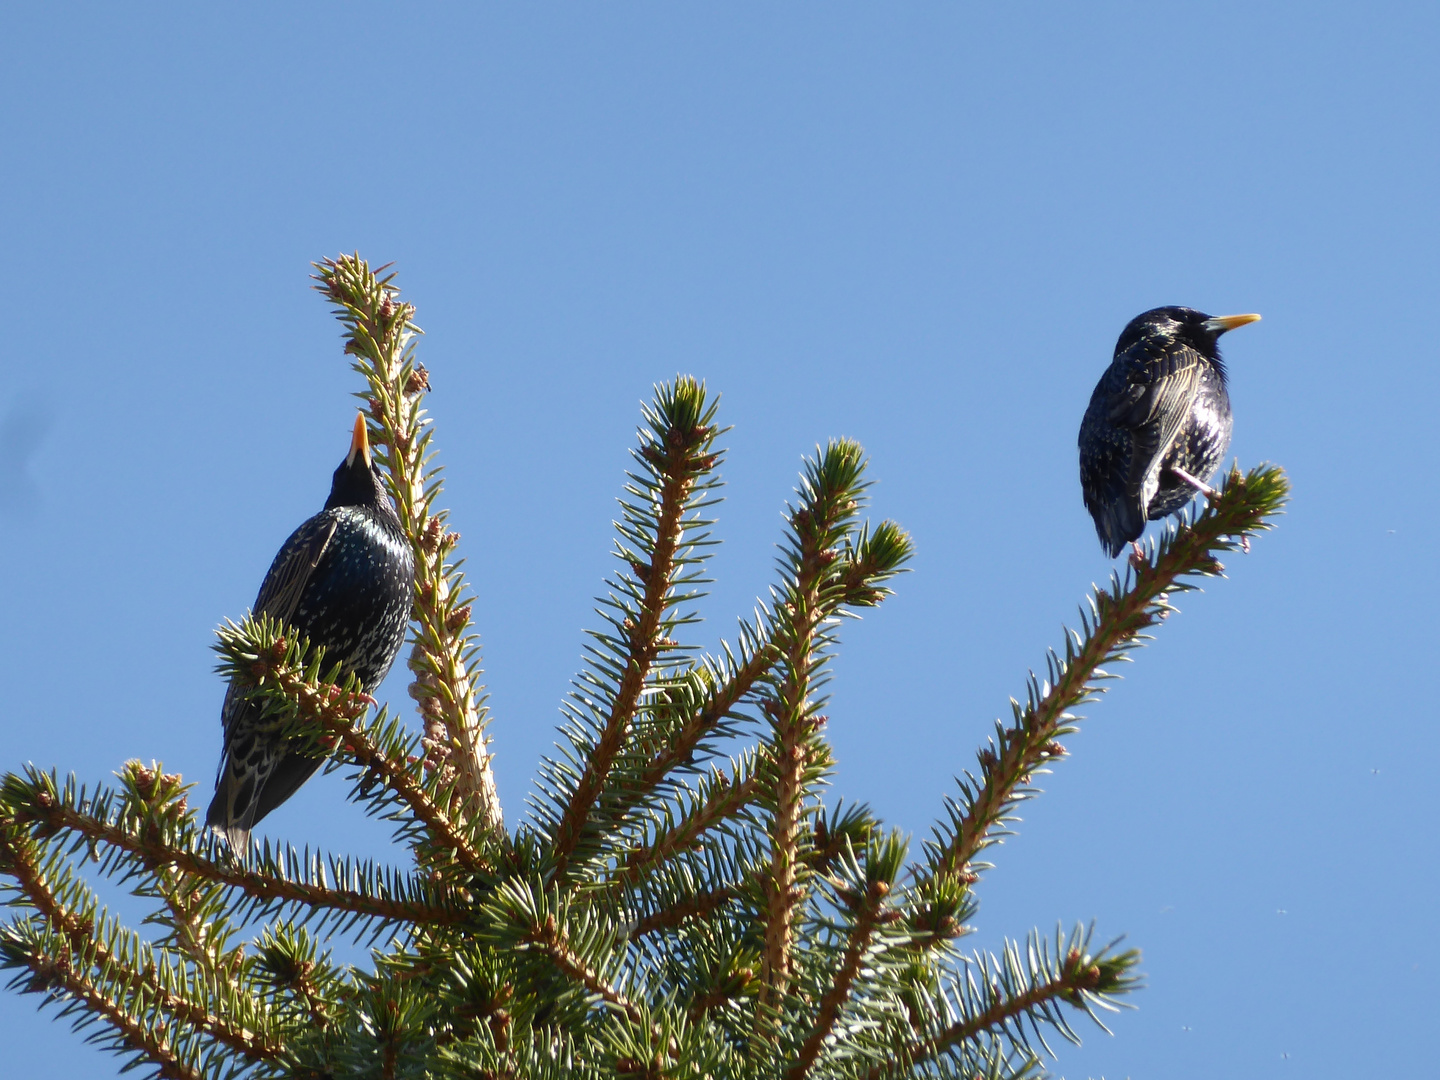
[83, 946]
[676, 453]
[301, 983]
[844, 829]
[815, 588]
[522, 917]
[1113, 625]
[760, 657]
[380, 334]
[280, 666]
[1015, 996]
[190, 905]
[154, 803]
[553, 944]
[719, 800]
[698, 906]
[38, 803]
[131, 1033]
[867, 912]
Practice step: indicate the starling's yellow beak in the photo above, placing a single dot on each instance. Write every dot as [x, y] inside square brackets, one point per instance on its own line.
[360, 441]
[1220, 323]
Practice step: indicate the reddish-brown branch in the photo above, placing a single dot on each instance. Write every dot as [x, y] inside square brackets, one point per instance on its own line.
[1072, 981]
[80, 932]
[339, 714]
[549, 938]
[135, 1034]
[340, 717]
[1029, 743]
[866, 920]
[260, 886]
[726, 696]
[699, 906]
[644, 647]
[399, 779]
[726, 799]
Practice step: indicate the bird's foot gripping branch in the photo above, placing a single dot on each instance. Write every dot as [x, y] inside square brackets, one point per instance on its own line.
[682, 901]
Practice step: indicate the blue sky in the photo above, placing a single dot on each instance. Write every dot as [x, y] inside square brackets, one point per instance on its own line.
[922, 226]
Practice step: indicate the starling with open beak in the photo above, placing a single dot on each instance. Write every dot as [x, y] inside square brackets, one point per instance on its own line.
[1158, 424]
[346, 580]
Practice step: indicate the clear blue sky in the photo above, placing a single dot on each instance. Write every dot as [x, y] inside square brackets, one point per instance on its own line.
[922, 226]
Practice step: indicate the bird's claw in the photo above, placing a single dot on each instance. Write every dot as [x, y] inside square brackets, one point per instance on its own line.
[349, 697]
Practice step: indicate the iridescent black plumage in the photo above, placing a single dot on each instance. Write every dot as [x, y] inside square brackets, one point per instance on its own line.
[345, 579]
[1158, 423]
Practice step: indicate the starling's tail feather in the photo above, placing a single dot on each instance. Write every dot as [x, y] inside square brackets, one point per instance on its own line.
[232, 810]
[222, 817]
[1119, 522]
[248, 789]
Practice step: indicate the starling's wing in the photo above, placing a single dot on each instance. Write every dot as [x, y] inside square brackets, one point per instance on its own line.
[1105, 452]
[1155, 406]
[290, 572]
[254, 749]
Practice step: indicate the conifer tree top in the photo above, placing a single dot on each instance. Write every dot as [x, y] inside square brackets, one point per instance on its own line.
[685, 896]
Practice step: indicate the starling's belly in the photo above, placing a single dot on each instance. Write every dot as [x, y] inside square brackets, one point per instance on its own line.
[358, 599]
[1198, 450]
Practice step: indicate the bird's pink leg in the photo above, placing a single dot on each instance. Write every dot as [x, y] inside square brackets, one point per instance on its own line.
[1137, 555]
[1199, 485]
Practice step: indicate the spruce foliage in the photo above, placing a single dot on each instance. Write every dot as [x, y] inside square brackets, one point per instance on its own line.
[682, 900]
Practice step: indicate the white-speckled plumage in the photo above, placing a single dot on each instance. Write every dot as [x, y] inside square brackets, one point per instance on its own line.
[345, 579]
[1161, 406]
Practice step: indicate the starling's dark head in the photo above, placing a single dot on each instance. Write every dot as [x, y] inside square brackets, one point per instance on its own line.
[357, 482]
[1167, 327]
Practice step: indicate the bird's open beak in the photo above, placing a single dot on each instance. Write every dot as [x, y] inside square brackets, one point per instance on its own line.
[360, 441]
[1220, 323]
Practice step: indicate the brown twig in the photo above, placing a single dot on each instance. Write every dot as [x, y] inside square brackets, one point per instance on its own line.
[698, 906]
[1076, 978]
[552, 942]
[678, 470]
[135, 1034]
[867, 918]
[722, 700]
[725, 800]
[258, 885]
[340, 715]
